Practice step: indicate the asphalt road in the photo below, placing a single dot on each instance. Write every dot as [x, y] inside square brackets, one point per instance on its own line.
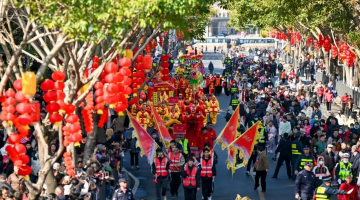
[226, 185]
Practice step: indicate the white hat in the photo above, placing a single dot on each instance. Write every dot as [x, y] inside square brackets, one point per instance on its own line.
[56, 166]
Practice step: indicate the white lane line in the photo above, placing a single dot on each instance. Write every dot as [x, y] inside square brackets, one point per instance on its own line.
[137, 182]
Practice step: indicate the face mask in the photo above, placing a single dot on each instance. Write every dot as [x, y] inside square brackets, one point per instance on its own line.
[153, 136]
[356, 126]
[351, 127]
[321, 162]
[346, 130]
[345, 161]
[340, 132]
[316, 125]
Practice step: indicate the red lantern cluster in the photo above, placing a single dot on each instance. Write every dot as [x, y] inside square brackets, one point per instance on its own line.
[334, 52]
[8, 107]
[350, 58]
[142, 65]
[103, 118]
[69, 165]
[148, 49]
[87, 113]
[72, 129]
[327, 44]
[95, 63]
[99, 100]
[164, 70]
[309, 41]
[16, 153]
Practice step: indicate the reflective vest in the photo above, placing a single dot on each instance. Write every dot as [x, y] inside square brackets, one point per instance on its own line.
[227, 73]
[161, 167]
[234, 90]
[320, 194]
[234, 102]
[174, 161]
[154, 64]
[185, 146]
[303, 161]
[206, 168]
[344, 171]
[294, 150]
[217, 82]
[191, 179]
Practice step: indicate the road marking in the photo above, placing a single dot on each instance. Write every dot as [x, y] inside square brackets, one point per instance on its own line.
[137, 182]
[261, 194]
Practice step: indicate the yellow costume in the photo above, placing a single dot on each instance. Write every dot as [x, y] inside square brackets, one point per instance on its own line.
[143, 118]
[136, 108]
[189, 93]
[213, 106]
[163, 111]
[164, 97]
[174, 114]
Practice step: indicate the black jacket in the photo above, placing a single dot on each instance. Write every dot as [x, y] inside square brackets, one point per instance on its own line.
[305, 184]
[284, 147]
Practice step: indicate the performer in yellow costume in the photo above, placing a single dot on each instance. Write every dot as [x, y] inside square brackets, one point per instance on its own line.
[213, 106]
[148, 109]
[174, 114]
[189, 93]
[143, 117]
[163, 110]
[136, 107]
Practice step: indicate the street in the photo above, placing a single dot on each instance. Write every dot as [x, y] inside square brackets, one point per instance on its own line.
[226, 186]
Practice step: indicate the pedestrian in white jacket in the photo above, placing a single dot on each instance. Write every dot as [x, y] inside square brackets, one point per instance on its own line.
[285, 126]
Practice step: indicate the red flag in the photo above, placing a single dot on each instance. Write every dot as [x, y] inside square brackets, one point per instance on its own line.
[160, 126]
[144, 141]
[228, 134]
[245, 143]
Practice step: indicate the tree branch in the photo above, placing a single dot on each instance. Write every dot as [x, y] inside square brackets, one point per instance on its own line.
[147, 41]
[42, 35]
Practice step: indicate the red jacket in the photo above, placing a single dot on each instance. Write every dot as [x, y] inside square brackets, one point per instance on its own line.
[344, 99]
[329, 97]
[212, 133]
[204, 139]
[347, 187]
[320, 91]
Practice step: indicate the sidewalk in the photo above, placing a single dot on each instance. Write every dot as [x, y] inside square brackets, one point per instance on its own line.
[335, 108]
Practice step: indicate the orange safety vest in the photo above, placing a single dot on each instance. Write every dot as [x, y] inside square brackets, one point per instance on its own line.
[206, 168]
[161, 167]
[217, 82]
[174, 161]
[191, 179]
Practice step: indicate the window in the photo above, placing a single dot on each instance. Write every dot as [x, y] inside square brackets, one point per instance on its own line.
[213, 41]
[220, 40]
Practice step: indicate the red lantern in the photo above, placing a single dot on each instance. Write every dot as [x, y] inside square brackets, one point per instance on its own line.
[164, 58]
[50, 96]
[72, 118]
[334, 52]
[147, 62]
[10, 101]
[127, 81]
[20, 148]
[22, 108]
[58, 76]
[99, 85]
[25, 120]
[20, 97]
[53, 107]
[10, 93]
[165, 65]
[96, 59]
[69, 109]
[35, 111]
[18, 85]
[111, 67]
[59, 85]
[120, 107]
[125, 71]
[139, 59]
[47, 85]
[55, 117]
[95, 65]
[125, 62]
[14, 138]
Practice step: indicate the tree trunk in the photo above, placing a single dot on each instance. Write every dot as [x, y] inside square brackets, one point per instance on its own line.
[347, 75]
[90, 143]
[166, 43]
[50, 182]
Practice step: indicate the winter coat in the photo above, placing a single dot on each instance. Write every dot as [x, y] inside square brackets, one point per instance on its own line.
[329, 97]
[320, 171]
[354, 195]
[17, 182]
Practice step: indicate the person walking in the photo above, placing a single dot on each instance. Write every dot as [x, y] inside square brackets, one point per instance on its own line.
[262, 167]
[296, 151]
[351, 187]
[325, 191]
[123, 193]
[134, 154]
[320, 171]
[284, 148]
[207, 174]
[328, 99]
[304, 183]
[176, 162]
[160, 168]
[211, 67]
[191, 179]
[343, 169]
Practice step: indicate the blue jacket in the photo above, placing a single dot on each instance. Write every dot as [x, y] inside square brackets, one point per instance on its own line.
[303, 102]
[304, 184]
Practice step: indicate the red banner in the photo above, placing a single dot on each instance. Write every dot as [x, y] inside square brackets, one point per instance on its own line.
[179, 129]
[144, 141]
[173, 100]
[246, 141]
[160, 126]
[228, 134]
